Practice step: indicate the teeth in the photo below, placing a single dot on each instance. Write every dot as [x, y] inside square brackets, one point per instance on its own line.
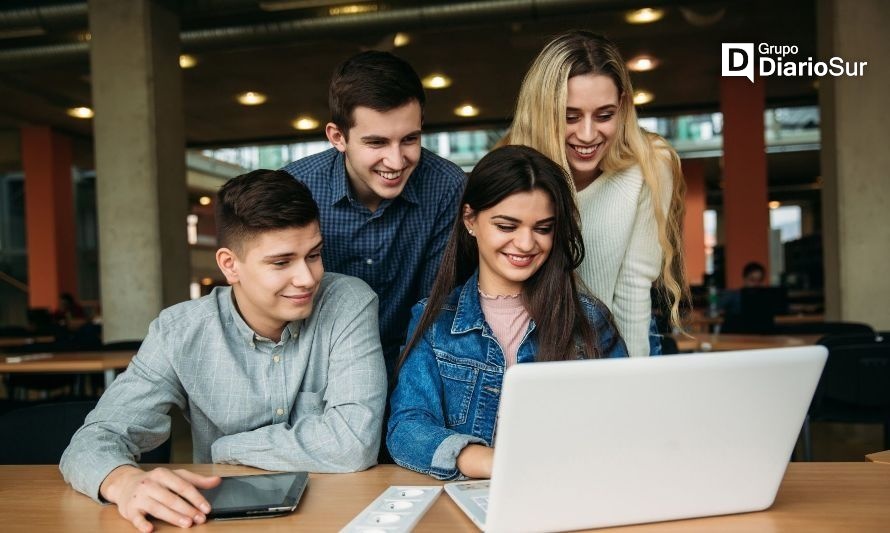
[519, 258]
[585, 150]
[389, 175]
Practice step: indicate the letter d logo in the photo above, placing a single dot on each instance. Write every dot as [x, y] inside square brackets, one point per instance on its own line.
[738, 60]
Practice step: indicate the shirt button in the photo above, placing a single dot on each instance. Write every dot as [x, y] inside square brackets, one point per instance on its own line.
[276, 358]
[369, 261]
[279, 411]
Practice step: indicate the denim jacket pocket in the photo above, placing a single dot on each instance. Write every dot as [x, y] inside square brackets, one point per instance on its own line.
[458, 383]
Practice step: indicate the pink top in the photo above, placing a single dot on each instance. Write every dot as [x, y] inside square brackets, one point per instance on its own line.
[508, 320]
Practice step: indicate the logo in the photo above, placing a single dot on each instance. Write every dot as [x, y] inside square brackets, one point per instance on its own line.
[737, 59]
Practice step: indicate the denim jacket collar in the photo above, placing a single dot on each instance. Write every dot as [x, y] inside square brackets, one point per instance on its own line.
[468, 315]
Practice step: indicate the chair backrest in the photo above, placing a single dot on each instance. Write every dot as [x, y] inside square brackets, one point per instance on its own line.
[827, 328]
[40, 433]
[857, 373]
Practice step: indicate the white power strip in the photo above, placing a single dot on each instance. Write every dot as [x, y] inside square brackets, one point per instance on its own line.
[396, 510]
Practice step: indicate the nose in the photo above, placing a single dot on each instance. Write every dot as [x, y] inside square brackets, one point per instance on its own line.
[524, 240]
[586, 130]
[302, 276]
[393, 157]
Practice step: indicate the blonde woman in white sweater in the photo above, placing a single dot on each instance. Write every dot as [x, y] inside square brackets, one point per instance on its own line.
[576, 107]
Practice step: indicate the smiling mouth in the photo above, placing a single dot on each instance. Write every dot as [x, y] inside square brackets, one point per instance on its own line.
[390, 176]
[586, 151]
[521, 260]
[299, 298]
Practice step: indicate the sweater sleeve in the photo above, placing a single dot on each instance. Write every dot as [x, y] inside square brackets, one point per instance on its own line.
[632, 303]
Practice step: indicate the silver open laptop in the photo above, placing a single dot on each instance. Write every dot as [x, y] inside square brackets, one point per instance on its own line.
[586, 444]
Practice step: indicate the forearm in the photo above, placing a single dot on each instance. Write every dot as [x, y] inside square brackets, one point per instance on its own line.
[475, 461]
[343, 439]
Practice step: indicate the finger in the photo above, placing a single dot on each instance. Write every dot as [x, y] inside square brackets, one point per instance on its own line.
[172, 492]
[205, 482]
[191, 493]
[142, 524]
[162, 511]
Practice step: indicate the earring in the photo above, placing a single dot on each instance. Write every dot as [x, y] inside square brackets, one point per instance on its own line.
[471, 232]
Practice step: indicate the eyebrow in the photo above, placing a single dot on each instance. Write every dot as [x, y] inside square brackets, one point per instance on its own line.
[368, 138]
[292, 254]
[600, 108]
[517, 221]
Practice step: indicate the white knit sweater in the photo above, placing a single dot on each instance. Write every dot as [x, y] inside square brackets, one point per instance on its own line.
[623, 256]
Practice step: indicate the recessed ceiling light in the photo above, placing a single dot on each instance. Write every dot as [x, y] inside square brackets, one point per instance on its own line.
[80, 112]
[251, 98]
[187, 61]
[304, 123]
[643, 97]
[401, 39]
[644, 16]
[466, 110]
[775, 205]
[436, 81]
[204, 200]
[352, 9]
[642, 63]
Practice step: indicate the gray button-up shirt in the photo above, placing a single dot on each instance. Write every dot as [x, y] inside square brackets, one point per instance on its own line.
[313, 401]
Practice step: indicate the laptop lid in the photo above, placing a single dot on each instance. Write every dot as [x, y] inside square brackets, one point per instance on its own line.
[585, 444]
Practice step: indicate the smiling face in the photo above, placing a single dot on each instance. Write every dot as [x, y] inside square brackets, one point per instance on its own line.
[591, 123]
[514, 237]
[382, 149]
[275, 277]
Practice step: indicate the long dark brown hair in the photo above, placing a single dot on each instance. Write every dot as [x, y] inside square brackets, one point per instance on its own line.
[551, 294]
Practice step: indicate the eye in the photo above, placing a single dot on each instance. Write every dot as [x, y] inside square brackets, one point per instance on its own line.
[314, 256]
[375, 143]
[281, 263]
[572, 118]
[544, 230]
[505, 227]
[605, 117]
[411, 139]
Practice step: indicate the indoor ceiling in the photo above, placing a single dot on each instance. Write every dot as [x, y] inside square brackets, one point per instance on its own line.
[287, 50]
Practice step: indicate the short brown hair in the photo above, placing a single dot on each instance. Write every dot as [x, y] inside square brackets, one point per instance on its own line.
[260, 201]
[378, 80]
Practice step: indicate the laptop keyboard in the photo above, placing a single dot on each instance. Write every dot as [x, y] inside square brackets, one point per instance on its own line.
[481, 501]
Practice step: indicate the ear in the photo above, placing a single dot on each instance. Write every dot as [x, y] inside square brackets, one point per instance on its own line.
[227, 261]
[336, 136]
[469, 217]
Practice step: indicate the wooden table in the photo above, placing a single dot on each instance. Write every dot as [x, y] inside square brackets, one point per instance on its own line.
[70, 363]
[6, 342]
[813, 497]
[705, 342]
[879, 457]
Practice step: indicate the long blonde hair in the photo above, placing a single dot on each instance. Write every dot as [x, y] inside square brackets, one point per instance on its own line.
[540, 122]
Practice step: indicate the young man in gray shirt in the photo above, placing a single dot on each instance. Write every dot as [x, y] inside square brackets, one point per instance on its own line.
[283, 370]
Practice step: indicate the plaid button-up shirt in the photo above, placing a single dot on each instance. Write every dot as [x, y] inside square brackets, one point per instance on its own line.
[397, 248]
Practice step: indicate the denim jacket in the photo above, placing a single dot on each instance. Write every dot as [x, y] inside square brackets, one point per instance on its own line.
[449, 387]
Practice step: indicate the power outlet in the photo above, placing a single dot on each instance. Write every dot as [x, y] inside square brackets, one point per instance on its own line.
[396, 510]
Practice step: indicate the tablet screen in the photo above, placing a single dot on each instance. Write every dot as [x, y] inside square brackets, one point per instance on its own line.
[256, 494]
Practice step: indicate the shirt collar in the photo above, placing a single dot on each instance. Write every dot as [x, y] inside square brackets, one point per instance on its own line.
[340, 189]
[244, 331]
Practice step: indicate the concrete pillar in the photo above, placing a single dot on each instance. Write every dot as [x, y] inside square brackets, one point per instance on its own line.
[140, 162]
[856, 163]
[49, 216]
[745, 199]
[694, 221]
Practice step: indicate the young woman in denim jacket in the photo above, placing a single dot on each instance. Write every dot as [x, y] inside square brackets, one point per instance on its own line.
[516, 245]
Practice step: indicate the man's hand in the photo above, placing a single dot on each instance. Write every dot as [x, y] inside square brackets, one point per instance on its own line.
[168, 495]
